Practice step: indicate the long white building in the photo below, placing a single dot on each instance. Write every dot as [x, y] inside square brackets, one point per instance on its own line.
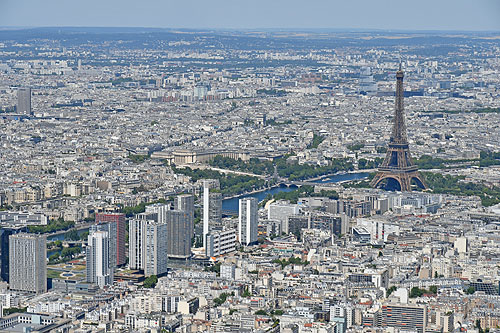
[99, 268]
[248, 220]
[212, 206]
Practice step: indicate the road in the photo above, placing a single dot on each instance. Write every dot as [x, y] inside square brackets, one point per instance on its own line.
[203, 167]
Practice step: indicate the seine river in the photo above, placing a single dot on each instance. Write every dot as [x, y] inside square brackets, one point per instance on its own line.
[232, 204]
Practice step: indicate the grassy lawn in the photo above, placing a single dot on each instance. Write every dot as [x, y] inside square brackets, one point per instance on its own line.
[52, 274]
[78, 268]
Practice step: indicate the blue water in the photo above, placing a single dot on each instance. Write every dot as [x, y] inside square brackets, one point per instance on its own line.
[232, 204]
[61, 236]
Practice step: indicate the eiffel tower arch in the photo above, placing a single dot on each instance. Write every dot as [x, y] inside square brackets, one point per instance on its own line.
[398, 172]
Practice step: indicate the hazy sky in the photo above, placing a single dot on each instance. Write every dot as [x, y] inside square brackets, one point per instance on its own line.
[254, 14]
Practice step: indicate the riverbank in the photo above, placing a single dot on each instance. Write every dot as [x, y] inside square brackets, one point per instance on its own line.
[57, 235]
[231, 203]
[246, 194]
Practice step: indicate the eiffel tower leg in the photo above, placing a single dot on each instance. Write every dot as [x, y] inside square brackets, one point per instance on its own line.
[419, 180]
[375, 180]
[381, 176]
[405, 183]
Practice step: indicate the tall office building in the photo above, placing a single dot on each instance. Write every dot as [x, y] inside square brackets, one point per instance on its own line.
[248, 220]
[212, 206]
[185, 202]
[28, 263]
[179, 234]
[114, 224]
[24, 101]
[135, 240]
[5, 233]
[148, 244]
[160, 210]
[155, 248]
[136, 237]
[99, 267]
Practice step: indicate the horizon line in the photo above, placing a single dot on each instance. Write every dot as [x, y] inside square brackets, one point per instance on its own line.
[284, 29]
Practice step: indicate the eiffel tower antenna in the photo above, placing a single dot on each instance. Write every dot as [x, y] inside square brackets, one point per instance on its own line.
[397, 171]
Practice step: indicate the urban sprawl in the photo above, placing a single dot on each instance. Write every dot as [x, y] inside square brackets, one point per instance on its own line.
[222, 181]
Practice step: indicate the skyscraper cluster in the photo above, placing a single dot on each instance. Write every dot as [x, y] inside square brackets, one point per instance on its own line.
[106, 248]
[148, 244]
[163, 231]
[115, 225]
[218, 238]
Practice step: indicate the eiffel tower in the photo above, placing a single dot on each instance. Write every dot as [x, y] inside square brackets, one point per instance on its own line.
[397, 172]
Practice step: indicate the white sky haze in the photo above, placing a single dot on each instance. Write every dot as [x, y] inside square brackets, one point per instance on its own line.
[462, 15]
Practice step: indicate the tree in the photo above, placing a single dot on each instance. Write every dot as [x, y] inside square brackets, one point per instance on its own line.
[8, 311]
[291, 261]
[246, 293]
[54, 257]
[478, 326]
[356, 146]
[72, 235]
[69, 252]
[52, 226]
[214, 268]
[390, 290]
[221, 299]
[471, 290]
[277, 312]
[150, 281]
[261, 313]
[416, 292]
[316, 141]
[455, 185]
[84, 236]
[136, 158]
